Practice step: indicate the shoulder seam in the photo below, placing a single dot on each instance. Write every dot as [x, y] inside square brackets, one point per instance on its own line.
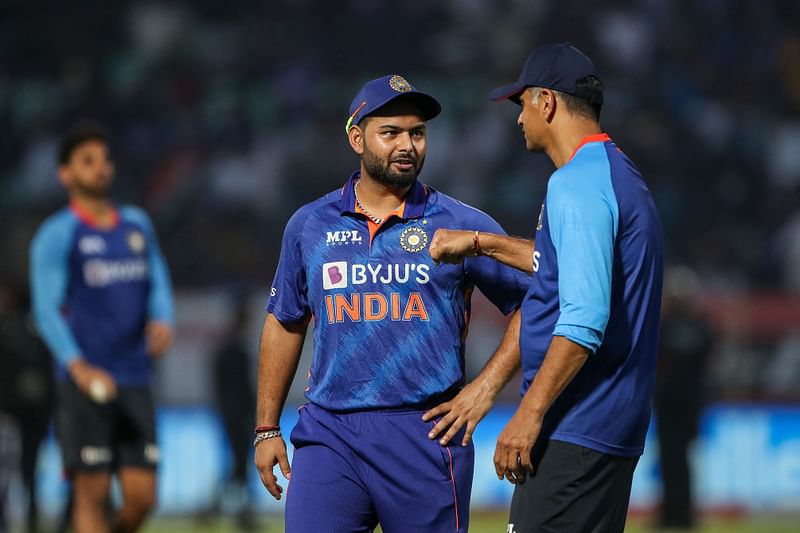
[53, 228]
[323, 202]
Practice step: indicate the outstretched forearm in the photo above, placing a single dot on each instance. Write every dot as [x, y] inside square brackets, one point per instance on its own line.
[281, 346]
[504, 363]
[473, 401]
[452, 246]
[512, 251]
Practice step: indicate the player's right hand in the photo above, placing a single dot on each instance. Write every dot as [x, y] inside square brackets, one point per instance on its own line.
[467, 409]
[93, 381]
[269, 453]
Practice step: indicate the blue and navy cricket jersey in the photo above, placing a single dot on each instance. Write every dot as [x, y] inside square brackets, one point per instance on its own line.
[95, 289]
[598, 269]
[389, 325]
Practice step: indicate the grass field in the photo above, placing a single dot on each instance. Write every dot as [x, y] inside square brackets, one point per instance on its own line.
[490, 522]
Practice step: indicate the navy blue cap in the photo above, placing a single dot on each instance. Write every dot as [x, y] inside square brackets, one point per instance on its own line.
[377, 93]
[556, 66]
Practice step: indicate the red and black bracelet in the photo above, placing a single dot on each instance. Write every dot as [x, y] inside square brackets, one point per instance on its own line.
[264, 429]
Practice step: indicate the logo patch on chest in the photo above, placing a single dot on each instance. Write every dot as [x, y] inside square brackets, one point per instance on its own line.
[334, 275]
[342, 237]
[92, 244]
[136, 242]
[413, 239]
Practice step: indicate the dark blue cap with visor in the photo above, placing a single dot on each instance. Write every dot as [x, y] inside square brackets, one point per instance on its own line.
[556, 66]
[377, 93]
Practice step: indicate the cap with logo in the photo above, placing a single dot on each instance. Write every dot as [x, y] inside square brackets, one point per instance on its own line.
[379, 92]
[557, 66]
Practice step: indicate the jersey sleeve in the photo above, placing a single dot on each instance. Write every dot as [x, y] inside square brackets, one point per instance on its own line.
[288, 297]
[49, 277]
[503, 285]
[583, 223]
[161, 304]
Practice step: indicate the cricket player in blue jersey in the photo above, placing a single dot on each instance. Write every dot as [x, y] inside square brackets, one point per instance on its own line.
[589, 332]
[103, 304]
[389, 334]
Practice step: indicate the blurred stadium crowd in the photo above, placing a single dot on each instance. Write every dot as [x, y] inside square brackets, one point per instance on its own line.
[225, 118]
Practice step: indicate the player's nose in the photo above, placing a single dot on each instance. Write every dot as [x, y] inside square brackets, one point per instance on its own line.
[405, 142]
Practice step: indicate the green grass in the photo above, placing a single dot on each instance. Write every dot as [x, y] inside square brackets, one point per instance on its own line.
[487, 522]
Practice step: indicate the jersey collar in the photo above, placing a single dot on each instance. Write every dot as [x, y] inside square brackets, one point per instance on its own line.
[87, 218]
[414, 202]
[594, 138]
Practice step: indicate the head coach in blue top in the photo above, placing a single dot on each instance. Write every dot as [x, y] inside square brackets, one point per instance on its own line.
[389, 334]
[590, 320]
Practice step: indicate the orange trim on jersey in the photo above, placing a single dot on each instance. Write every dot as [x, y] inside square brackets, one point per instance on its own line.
[453, 480]
[85, 216]
[452, 476]
[594, 138]
[373, 227]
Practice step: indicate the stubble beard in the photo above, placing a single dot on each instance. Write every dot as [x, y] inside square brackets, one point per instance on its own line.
[382, 172]
[95, 191]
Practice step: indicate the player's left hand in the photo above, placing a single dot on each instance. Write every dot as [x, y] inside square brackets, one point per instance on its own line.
[452, 246]
[159, 337]
[512, 456]
[467, 408]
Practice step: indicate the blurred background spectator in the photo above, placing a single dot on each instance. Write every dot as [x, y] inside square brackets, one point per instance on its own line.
[236, 403]
[26, 392]
[686, 345]
[226, 117]
[9, 459]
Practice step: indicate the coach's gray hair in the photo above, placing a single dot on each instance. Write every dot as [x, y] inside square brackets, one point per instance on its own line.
[575, 104]
[535, 92]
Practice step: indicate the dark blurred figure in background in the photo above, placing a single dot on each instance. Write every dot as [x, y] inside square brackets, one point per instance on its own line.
[236, 402]
[9, 463]
[26, 388]
[687, 341]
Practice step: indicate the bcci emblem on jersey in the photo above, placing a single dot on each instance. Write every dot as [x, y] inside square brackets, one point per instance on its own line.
[413, 239]
[136, 242]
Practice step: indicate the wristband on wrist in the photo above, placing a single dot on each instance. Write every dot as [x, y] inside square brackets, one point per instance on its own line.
[262, 429]
[266, 435]
[476, 240]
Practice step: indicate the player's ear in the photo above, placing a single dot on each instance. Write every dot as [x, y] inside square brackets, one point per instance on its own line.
[356, 137]
[63, 175]
[547, 104]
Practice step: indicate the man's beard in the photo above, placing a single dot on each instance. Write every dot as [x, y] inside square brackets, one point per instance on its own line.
[99, 191]
[382, 172]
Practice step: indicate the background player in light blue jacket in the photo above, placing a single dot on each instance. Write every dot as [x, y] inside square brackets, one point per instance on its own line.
[589, 332]
[103, 304]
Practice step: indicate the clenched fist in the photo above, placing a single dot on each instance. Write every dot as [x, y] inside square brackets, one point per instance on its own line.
[452, 246]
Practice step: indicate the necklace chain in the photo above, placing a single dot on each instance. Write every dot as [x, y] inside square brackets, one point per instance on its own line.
[373, 218]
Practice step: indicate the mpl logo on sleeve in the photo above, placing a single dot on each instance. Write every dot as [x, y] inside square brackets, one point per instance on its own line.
[338, 238]
[334, 275]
